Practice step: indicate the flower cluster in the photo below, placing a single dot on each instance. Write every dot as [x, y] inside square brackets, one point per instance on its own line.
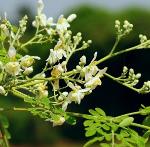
[44, 90]
[125, 29]
[89, 76]
[50, 91]
[48, 24]
[16, 67]
[143, 38]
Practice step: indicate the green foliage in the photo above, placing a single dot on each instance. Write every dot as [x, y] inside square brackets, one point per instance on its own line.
[49, 92]
[5, 135]
[114, 131]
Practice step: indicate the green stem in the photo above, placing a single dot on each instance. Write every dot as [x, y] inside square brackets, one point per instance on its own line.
[4, 135]
[124, 84]
[77, 114]
[137, 47]
[113, 139]
[140, 126]
[13, 109]
[20, 109]
[128, 114]
[103, 59]
[28, 42]
[15, 37]
[115, 45]
[92, 141]
[6, 141]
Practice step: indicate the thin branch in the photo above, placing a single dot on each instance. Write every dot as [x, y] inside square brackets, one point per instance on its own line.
[124, 84]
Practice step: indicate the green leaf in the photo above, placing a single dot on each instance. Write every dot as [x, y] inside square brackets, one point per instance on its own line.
[146, 121]
[100, 111]
[1, 142]
[113, 126]
[101, 132]
[4, 121]
[145, 111]
[119, 137]
[7, 134]
[45, 101]
[71, 120]
[88, 123]
[90, 132]
[92, 141]
[146, 134]
[108, 137]
[55, 117]
[124, 133]
[126, 122]
[93, 112]
[105, 127]
[88, 116]
[118, 120]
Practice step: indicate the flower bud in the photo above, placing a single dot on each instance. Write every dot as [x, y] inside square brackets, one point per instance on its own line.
[28, 70]
[125, 69]
[78, 67]
[83, 60]
[138, 75]
[40, 6]
[12, 52]
[2, 90]
[117, 22]
[27, 60]
[58, 122]
[12, 68]
[65, 93]
[71, 17]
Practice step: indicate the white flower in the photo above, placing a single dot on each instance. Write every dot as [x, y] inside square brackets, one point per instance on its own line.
[42, 20]
[27, 60]
[12, 52]
[77, 94]
[65, 105]
[42, 92]
[60, 67]
[63, 96]
[28, 70]
[56, 55]
[2, 90]
[89, 71]
[40, 6]
[93, 82]
[50, 21]
[62, 24]
[49, 31]
[82, 60]
[59, 121]
[34, 23]
[71, 17]
[4, 29]
[12, 68]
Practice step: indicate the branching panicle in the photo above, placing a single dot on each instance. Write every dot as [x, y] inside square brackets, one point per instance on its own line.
[43, 91]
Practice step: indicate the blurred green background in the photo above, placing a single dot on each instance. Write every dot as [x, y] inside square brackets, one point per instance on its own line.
[96, 22]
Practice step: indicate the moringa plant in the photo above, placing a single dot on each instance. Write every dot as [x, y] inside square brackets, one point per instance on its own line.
[55, 87]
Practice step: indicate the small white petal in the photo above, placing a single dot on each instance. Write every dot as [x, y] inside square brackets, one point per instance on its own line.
[2, 90]
[11, 52]
[71, 17]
